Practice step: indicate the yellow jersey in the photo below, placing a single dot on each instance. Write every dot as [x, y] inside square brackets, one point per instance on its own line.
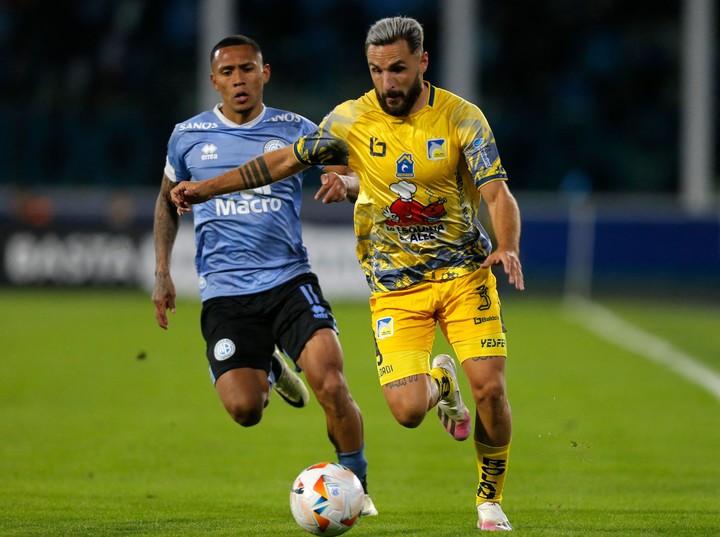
[416, 213]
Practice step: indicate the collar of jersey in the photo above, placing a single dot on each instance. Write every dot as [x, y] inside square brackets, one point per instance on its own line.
[229, 123]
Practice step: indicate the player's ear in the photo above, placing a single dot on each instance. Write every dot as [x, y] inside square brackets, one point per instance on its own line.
[266, 73]
[423, 62]
[214, 83]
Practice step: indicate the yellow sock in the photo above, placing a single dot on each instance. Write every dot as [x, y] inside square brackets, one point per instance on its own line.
[492, 468]
[444, 382]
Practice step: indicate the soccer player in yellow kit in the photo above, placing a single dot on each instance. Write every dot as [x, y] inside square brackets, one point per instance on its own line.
[425, 158]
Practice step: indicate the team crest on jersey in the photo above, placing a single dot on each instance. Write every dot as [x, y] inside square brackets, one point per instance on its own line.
[384, 328]
[436, 149]
[405, 166]
[272, 145]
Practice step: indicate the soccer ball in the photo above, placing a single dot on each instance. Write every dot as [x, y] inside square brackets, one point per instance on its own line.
[326, 499]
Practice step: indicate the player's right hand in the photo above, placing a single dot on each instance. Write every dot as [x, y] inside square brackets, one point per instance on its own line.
[332, 188]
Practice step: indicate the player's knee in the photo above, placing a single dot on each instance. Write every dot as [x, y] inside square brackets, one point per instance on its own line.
[411, 421]
[410, 417]
[490, 394]
[333, 394]
[332, 390]
[245, 415]
[246, 418]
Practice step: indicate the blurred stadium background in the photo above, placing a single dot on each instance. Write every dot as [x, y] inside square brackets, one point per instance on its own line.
[605, 114]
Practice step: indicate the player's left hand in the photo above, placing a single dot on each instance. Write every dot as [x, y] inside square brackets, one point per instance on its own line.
[511, 264]
[185, 194]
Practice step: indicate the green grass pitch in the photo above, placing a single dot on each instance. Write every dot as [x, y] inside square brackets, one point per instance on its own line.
[109, 426]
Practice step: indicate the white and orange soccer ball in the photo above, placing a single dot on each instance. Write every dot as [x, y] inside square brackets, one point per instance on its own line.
[326, 499]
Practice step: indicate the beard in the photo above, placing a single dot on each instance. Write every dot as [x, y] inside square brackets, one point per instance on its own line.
[407, 100]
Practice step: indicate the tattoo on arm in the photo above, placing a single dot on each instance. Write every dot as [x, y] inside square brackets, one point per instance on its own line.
[254, 174]
[165, 228]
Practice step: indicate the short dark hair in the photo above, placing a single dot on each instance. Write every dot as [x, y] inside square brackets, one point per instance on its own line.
[392, 29]
[233, 41]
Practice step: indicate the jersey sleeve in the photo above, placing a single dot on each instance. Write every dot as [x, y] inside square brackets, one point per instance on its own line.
[478, 145]
[175, 168]
[169, 170]
[322, 149]
[327, 145]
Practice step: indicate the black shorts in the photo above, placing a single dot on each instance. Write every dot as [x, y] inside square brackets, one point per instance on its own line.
[242, 331]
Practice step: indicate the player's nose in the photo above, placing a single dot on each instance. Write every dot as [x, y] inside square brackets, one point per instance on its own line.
[388, 80]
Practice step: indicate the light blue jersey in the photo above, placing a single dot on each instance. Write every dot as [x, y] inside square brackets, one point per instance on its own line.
[247, 241]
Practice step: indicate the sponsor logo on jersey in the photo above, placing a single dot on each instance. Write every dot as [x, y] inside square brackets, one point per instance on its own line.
[201, 125]
[209, 152]
[436, 149]
[228, 206]
[384, 328]
[416, 234]
[287, 117]
[224, 349]
[272, 145]
[480, 143]
[252, 201]
[377, 147]
[405, 166]
[410, 219]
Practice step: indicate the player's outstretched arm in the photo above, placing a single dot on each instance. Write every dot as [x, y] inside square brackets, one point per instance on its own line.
[505, 217]
[255, 173]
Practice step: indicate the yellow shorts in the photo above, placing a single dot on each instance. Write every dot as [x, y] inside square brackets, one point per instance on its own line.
[467, 309]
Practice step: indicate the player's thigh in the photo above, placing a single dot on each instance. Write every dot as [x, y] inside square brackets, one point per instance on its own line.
[322, 359]
[243, 389]
[404, 329]
[409, 396]
[485, 373]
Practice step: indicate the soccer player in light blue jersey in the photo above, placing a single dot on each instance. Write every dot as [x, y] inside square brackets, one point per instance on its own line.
[261, 300]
